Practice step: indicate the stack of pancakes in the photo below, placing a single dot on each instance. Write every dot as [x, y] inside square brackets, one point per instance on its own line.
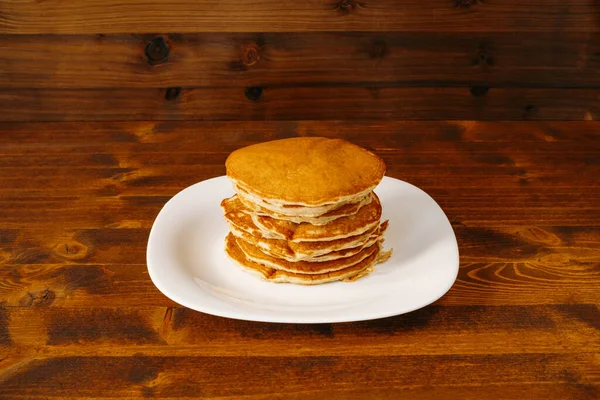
[305, 211]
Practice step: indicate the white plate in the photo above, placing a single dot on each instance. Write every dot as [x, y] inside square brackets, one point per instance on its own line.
[187, 262]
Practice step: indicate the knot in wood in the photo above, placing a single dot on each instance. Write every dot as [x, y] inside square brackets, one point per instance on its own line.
[172, 93]
[253, 93]
[72, 250]
[157, 51]
[346, 6]
[484, 59]
[379, 50]
[37, 298]
[465, 3]
[251, 55]
[479, 91]
[530, 108]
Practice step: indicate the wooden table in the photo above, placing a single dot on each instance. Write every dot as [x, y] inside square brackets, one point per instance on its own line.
[80, 318]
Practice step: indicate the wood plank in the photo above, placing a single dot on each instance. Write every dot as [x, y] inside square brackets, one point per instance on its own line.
[118, 175]
[293, 103]
[551, 280]
[176, 136]
[156, 331]
[506, 391]
[521, 243]
[111, 210]
[208, 377]
[530, 59]
[135, 181]
[138, 16]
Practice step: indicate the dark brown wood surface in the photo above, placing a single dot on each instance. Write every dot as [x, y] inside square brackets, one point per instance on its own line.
[219, 60]
[80, 318]
[437, 59]
[149, 16]
[298, 76]
[293, 103]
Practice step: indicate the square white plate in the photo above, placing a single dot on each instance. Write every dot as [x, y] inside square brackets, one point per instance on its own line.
[187, 262]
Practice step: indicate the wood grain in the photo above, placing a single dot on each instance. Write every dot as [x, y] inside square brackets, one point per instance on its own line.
[211, 376]
[376, 135]
[80, 317]
[557, 281]
[98, 131]
[532, 244]
[173, 331]
[531, 59]
[568, 389]
[293, 103]
[118, 175]
[138, 16]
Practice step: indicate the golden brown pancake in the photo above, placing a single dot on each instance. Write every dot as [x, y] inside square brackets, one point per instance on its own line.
[238, 216]
[281, 248]
[365, 219]
[241, 225]
[275, 247]
[306, 171]
[383, 256]
[313, 249]
[342, 211]
[305, 211]
[271, 208]
[273, 275]
[255, 254]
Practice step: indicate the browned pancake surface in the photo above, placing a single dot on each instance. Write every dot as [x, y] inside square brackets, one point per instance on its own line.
[236, 254]
[305, 171]
[365, 219]
[282, 249]
[321, 247]
[237, 215]
[255, 254]
[241, 225]
[342, 211]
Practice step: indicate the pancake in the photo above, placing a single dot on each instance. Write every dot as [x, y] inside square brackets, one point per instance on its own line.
[343, 210]
[238, 218]
[365, 219]
[299, 211]
[281, 248]
[305, 171]
[241, 219]
[254, 253]
[304, 210]
[273, 275]
[313, 249]
[383, 256]
[242, 225]
[274, 247]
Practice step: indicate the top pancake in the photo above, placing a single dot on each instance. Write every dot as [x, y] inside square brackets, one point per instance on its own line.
[307, 171]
